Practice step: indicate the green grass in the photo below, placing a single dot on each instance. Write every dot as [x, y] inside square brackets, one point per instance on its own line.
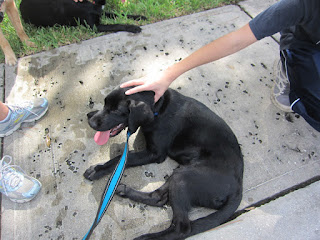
[154, 10]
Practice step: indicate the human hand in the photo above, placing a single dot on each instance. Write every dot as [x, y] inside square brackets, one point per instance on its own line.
[158, 84]
[78, 0]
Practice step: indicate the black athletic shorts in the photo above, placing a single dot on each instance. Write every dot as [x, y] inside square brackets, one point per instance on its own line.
[303, 69]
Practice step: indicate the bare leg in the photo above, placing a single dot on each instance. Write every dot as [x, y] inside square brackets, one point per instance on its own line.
[4, 110]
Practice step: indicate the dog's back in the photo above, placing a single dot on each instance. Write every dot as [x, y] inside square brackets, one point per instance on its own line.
[62, 12]
[196, 127]
[47, 13]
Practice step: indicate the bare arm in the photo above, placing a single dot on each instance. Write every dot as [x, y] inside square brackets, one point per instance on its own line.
[217, 49]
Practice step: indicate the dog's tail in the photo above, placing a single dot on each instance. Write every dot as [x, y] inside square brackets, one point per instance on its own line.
[219, 217]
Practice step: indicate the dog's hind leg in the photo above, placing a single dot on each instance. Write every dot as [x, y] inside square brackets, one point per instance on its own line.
[137, 17]
[14, 17]
[133, 17]
[179, 197]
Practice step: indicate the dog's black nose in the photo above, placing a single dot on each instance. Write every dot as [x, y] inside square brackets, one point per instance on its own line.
[90, 114]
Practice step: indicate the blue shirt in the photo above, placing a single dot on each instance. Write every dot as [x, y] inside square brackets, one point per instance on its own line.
[298, 22]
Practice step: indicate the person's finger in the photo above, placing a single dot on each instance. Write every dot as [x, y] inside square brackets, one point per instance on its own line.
[135, 90]
[132, 83]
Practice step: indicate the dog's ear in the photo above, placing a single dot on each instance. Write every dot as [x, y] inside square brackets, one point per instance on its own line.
[140, 114]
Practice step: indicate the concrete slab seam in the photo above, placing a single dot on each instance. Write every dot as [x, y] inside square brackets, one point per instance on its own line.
[275, 197]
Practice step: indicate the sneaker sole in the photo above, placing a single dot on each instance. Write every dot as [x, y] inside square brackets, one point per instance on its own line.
[277, 104]
[18, 125]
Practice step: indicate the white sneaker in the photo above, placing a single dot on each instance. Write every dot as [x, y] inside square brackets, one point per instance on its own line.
[281, 89]
[27, 112]
[15, 184]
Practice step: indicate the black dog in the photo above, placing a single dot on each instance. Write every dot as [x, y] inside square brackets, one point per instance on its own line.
[47, 13]
[211, 164]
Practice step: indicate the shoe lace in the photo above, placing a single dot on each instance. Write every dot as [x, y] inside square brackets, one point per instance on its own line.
[283, 82]
[10, 178]
[23, 107]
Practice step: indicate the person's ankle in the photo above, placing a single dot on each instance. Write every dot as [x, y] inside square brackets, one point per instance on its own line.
[6, 118]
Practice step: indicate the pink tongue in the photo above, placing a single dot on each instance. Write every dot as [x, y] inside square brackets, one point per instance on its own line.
[102, 138]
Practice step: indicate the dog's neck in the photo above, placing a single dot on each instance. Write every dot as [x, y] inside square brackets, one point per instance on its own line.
[161, 104]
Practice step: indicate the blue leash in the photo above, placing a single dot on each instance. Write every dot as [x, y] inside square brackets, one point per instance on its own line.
[110, 189]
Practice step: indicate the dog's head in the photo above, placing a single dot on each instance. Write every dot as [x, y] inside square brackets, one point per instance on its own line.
[121, 111]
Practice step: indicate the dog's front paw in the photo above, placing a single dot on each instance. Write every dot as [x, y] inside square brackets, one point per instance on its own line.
[11, 59]
[29, 43]
[89, 173]
[133, 29]
[121, 190]
[94, 172]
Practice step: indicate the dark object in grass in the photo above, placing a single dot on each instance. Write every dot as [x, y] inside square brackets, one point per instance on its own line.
[47, 13]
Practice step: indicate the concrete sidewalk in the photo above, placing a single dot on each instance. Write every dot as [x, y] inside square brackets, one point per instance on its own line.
[281, 151]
